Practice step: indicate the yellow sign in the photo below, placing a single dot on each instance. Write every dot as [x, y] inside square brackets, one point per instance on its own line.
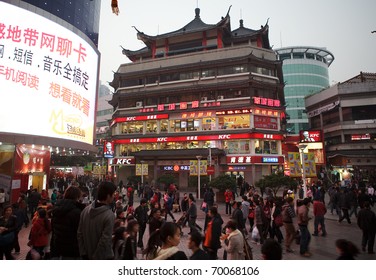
[295, 165]
[99, 170]
[193, 167]
[142, 169]
[309, 165]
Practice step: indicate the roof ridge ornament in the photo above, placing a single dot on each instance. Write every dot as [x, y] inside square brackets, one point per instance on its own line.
[197, 12]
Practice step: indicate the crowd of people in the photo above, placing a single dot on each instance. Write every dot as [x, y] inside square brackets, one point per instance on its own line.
[99, 221]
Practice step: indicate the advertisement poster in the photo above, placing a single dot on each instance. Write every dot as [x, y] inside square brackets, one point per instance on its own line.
[294, 164]
[28, 159]
[49, 74]
[309, 165]
[193, 167]
[142, 169]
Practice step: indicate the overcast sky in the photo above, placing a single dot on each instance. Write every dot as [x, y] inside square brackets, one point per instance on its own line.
[342, 26]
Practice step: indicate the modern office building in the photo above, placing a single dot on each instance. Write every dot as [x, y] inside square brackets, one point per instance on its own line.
[305, 71]
[201, 90]
[82, 14]
[346, 113]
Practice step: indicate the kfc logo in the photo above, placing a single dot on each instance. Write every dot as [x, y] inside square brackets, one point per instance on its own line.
[310, 136]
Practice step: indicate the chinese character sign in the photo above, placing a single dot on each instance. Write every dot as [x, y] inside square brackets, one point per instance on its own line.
[142, 169]
[48, 77]
[193, 167]
[295, 164]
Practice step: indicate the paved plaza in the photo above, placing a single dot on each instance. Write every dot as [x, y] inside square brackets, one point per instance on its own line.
[322, 248]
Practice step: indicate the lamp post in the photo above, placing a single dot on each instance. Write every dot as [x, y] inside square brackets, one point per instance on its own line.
[209, 161]
[142, 172]
[198, 176]
[301, 148]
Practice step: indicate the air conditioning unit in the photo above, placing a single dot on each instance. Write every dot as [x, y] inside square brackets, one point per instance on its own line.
[204, 98]
[221, 97]
[139, 104]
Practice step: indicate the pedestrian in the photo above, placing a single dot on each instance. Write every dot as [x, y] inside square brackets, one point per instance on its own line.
[33, 201]
[237, 216]
[194, 242]
[288, 215]
[277, 221]
[245, 211]
[260, 220]
[367, 223]
[163, 244]
[229, 197]
[141, 215]
[209, 199]
[168, 202]
[344, 205]
[64, 223]
[319, 211]
[155, 221]
[2, 199]
[8, 226]
[233, 241]
[192, 214]
[21, 220]
[213, 233]
[271, 250]
[96, 225]
[129, 250]
[40, 231]
[303, 220]
[346, 249]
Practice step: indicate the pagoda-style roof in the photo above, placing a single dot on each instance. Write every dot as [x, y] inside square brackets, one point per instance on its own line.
[243, 32]
[196, 25]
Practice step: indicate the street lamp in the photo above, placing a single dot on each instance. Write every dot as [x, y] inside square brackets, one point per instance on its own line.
[198, 176]
[210, 161]
[301, 148]
[142, 172]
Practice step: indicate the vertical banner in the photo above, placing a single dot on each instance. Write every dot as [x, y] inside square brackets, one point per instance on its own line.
[310, 165]
[193, 167]
[295, 164]
[142, 169]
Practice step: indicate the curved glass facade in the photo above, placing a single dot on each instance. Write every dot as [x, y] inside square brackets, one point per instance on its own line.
[305, 71]
[82, 14]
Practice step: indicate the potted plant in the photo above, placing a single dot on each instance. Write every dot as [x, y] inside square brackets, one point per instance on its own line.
[220, 184]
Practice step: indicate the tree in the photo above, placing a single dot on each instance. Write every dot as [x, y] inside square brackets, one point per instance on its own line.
[275, 182]
[223, 182]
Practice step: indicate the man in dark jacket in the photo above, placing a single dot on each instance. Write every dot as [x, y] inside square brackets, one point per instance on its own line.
[345, 205]
[213, 233]
[65, 219]
[141, 215]
[367, 223]
[237, 216]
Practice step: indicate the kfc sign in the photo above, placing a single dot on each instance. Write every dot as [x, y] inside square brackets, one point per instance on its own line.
[122, 161]
[310, 136]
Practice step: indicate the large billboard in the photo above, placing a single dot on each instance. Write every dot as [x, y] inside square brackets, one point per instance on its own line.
[48, 78]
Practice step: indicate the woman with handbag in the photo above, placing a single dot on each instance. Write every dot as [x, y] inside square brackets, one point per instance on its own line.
[8, 225]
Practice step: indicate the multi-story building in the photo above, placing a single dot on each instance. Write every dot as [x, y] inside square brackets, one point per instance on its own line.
[346, 113]
[305, 71]
[82, 14]
[202, 89]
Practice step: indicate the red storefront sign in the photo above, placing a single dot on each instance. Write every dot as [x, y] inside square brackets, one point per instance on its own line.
[266, 101]
[266, 122]
[139, 118]
[201, 138]
[122, 161]
[307, 136]
[31, 160]
[210, 170]
[254, 159]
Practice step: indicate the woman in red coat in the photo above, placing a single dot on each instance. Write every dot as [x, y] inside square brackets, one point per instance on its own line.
[40, 232]
[229, 197]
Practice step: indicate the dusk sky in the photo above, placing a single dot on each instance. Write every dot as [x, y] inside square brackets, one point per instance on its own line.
[343, 27]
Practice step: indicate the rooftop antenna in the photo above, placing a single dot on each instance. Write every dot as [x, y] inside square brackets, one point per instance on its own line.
[241, 14]
[197, 4]
[280, 38]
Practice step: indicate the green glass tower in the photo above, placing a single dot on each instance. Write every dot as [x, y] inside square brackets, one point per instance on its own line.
[305, 71]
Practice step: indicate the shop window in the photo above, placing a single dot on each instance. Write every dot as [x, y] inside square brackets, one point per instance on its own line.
[208, 124]
[151, 127]
[133, 127]
[164, 125]
[234, 122]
